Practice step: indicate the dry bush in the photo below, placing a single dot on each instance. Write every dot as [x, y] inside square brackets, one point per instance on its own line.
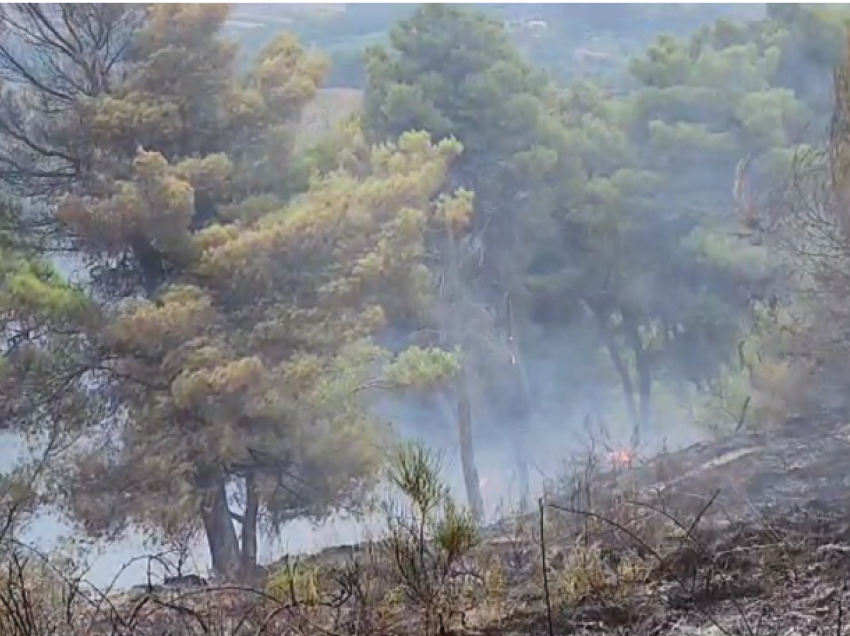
[31, 602]
[591, 575]
[295, 583]
[365, 585]
[353, 597]
[605, 536]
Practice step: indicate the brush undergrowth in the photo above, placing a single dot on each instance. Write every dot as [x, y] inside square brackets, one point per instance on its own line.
[433, 570]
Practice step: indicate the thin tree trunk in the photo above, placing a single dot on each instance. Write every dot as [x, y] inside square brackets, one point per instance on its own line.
[249, 527]
[644, 375]
[471, 478]
[621, 368]
[526, 410]
[457, 337]
[625, 379]
[467, 447]
[645, 394]
[645, 391]
[520, 434]
[221, 534]
[521, 459]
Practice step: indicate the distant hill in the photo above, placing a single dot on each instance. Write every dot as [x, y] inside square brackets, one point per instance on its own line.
[568, 40]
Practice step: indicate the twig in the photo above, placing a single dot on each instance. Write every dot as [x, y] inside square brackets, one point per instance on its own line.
[743, 415]
[688, 530]
[545, 573]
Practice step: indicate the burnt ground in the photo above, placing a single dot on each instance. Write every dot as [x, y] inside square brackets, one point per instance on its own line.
[798, 464]
[747, 535]
[786, 576]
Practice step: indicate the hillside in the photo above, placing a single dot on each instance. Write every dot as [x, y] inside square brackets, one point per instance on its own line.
[568, 40]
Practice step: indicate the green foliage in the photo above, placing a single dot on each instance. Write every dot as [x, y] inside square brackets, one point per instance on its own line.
[519, 161]
[35, 290]
[418, 367]
[286, 380]
[415, 471]
[591, 203]
[455, 532]
[430, 543]
[234, 321]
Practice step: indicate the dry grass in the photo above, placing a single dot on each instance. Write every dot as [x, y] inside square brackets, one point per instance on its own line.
[587, 577]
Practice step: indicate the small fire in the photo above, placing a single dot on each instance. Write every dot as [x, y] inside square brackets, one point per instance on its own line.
[621, 457]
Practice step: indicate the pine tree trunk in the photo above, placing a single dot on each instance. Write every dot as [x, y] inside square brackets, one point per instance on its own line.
[621, 368]
[467, 447]
[521, 459]
[462, 418]
[221, 534]
[249, 528]
[457, 336]
[645, 394]
[524, 413]
[644, 376]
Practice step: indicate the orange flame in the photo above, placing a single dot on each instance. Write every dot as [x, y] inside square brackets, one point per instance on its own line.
[621, 457]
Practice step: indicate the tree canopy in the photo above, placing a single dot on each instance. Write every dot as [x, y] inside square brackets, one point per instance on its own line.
[241, 302]
[233, 321]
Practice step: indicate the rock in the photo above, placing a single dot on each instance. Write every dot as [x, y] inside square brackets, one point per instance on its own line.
[188, 581]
